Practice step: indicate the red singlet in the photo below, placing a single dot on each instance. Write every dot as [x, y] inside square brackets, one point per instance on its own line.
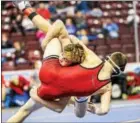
[58, 81]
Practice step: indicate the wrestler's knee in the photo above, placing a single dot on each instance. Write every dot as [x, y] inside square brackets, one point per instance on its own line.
[80, 107]
[59, 22]
[80, 114]
[33, 92]
[24, 112]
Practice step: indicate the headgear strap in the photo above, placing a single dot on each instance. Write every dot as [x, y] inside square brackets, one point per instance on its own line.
[113, 64]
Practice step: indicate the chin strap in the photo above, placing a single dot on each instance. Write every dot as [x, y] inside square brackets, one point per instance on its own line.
[114, 65]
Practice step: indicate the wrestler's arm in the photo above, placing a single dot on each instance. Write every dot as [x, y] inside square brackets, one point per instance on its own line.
[23, 112]
[75, 40]
[3, 92]
[41, 23]
[58, 30]
[105, 103]
[57, 105]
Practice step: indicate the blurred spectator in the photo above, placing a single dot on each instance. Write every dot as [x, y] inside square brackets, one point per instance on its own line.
[16, 25]
[96, 12]
[133, 79]
[6, 27]
[3, 89]
[37, 64]
[43, 11]
[92, 34]
[3, 59]
[66, 8]
[82, 6]
[110, 28]
[120, 82]
[19, 84]
[82, 35]
[52, 7]
[13, 13]
[8, 64]
[7, 20]
[19, 52]
[133, 83]
[93, 4]
[137, 70]
[33, 56]
[5, 41]
[80, 20]
[10, 56]
[40, 35]
[95, 9]
[8, 61]
[8, 5]
[131, 17]
[18, 91]
[71, 28]
[7, 55]
[27, 24]
[60, 4]
[130, 84]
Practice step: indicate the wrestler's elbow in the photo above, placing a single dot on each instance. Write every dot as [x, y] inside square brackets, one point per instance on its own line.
[59, 109]
[24, 112]
[43, 45]
[103, 112]
[60, 27]
[59, 22]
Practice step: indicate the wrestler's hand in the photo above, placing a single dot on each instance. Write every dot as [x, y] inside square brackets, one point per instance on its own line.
[96, 110]
[91, 108]
[26, 88]
[22, 4]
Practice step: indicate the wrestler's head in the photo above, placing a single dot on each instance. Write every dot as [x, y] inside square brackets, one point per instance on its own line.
[14, 80]
[72, 54]
[119, 60]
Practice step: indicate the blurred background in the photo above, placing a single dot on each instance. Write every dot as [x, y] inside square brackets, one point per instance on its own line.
[105, 27]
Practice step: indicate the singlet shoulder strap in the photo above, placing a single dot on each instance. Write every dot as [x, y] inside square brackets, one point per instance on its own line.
[101, 64]
[51, 56]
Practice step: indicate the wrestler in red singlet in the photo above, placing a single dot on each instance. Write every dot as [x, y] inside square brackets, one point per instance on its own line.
[58, 81]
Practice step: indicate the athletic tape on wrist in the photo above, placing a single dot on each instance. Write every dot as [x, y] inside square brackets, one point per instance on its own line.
[32, 15]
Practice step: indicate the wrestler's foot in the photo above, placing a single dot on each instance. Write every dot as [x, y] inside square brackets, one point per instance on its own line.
[22, 4]
[91, 108]
[33, 93]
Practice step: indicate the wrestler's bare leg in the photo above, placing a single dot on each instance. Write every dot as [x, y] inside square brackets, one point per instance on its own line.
[25, 111]
[56, 105]
[33, 105]
[52, 48]
[58, 30]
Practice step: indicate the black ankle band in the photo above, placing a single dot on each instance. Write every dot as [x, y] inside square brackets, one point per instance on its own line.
[31, 16]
